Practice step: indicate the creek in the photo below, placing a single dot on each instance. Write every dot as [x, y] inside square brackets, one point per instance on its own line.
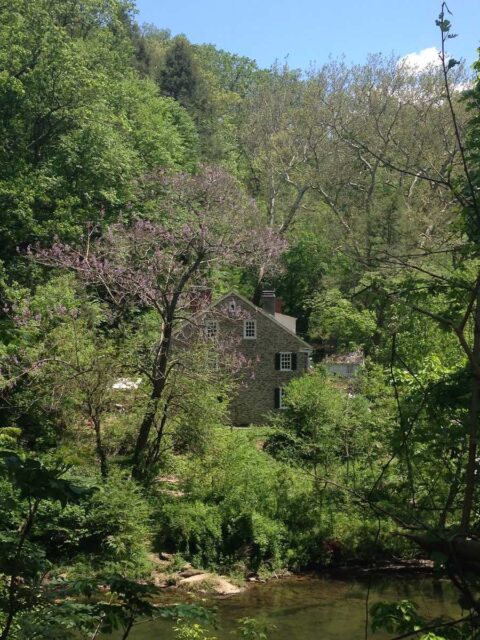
[319, 608]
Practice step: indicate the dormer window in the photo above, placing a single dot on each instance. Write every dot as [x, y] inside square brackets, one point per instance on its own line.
[250, 329]
[211, 329]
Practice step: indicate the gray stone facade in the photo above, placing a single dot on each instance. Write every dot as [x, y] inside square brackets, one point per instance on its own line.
[262, 378]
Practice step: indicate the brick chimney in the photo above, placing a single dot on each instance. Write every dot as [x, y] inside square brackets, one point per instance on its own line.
[199, 298]
[267, 301]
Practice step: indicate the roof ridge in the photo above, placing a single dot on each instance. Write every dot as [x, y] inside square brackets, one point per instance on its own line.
[259, 310]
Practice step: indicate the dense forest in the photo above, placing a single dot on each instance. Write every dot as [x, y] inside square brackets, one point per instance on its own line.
[138, 169]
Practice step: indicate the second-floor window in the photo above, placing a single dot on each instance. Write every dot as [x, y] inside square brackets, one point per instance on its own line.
[211, 329]
[286, 361]
[250, 329]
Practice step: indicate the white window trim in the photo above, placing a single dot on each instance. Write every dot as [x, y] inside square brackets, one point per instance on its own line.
[289, 367]
[211, 324]
[308, 358]
[246, 337]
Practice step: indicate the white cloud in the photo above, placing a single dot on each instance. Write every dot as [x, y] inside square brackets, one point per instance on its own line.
[420, 60]
[463, 86]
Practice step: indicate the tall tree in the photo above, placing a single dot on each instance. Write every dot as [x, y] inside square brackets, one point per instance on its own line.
[438, 278]
[208, 224]
[180, 77]
[78, 125]
[305, 140]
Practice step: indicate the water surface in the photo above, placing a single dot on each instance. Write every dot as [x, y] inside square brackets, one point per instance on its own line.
[319, 608]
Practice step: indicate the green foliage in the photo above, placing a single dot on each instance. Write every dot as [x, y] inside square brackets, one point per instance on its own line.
[245, 512]
[305, 264]
[60, 621]
[334, 317]
[204, 406]
[62, 337]
[230, 513]
[398, 617]
[248, 628]
[179, 78]
[231, 73]
[22, 560]
[92, 110]
[192, 529]
[36, 482]
[79, 126]
[108, 532]
[321, 424]
[191, 632]
[402, 618]
[251, 629]
[9, 437]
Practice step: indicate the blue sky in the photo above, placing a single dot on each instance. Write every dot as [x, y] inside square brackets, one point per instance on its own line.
[309, 30]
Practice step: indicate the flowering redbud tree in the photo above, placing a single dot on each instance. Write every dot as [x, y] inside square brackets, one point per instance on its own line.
[202, 224]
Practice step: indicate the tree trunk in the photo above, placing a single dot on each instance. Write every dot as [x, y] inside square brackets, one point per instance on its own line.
[144, 431]
[470, 473]
[161, 371]
[148, 421]
[12, 588]
[102, 456]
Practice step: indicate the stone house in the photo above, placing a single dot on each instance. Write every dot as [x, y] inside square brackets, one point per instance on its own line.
[267, 339]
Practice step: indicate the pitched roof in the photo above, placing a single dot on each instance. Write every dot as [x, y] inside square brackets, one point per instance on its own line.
[261, 311]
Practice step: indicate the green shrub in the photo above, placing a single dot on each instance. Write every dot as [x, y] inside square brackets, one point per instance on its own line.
[110, 528]
[246, 512]
[229, 516]
[184, 631]
[192, 529]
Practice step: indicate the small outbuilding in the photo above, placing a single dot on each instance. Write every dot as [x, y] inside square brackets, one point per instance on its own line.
[344, 365]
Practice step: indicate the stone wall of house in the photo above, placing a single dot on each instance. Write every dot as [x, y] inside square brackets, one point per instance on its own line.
[256, 395]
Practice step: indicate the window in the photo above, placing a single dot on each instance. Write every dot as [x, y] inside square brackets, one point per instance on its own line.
[212, 362]
[250, 329]
[211, 329]
[232, 306]
[285, 362]
[279, 398]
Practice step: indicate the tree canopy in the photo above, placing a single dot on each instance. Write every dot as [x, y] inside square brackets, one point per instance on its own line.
[142, 175]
